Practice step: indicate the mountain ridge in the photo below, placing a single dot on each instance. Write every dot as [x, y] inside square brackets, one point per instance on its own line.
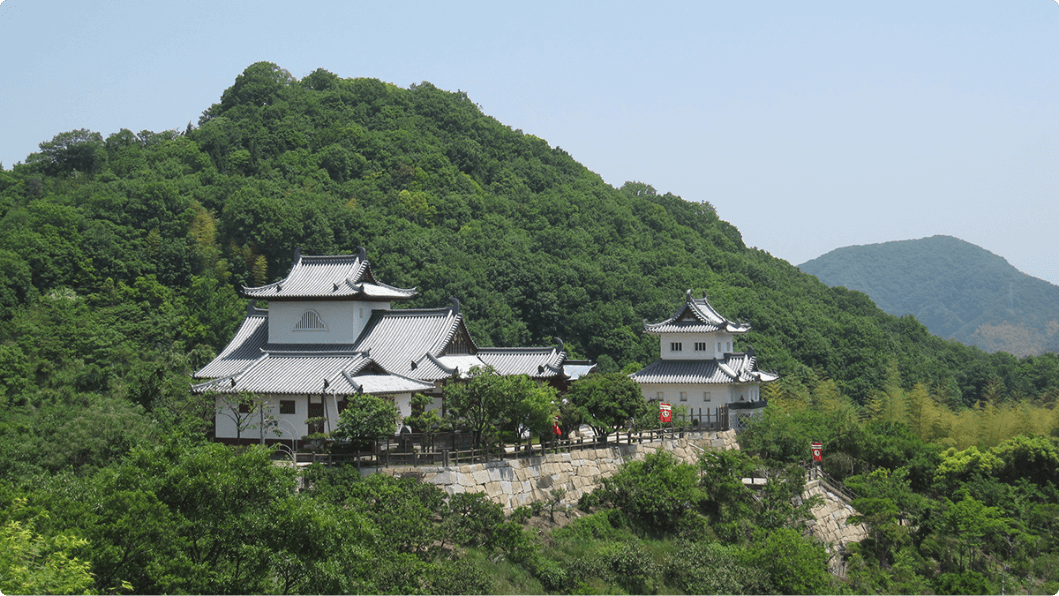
[957, 289]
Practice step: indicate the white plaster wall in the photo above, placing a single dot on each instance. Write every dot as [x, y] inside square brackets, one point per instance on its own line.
[719, 394]
[687, 345]
[748, 392]
[293, 425]
[286, 425]
[345, 321]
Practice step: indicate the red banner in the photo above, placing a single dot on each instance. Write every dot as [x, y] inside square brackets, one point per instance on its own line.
[555, 426]
[818, 451]
[665, 413]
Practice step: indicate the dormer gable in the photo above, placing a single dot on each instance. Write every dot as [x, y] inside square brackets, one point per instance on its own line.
[696, 316]
[328, 278]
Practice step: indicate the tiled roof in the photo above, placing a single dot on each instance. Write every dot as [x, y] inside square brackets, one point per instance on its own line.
[397, 338]
[575, 369]
[446, 365]
[696, 315]
[538, 363]
[307, 373]
[381, 383]
[734, 368]
[291, 374]
[402, 343]
[244, 348]
[329, 277]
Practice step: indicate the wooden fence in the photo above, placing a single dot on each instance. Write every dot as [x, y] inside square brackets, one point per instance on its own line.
[455, 448]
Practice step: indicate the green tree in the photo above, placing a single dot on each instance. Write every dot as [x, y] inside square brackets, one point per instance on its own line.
[609, 401]
[34, 564]
[78, 150]
[366, 418]
[974, 527]
[657, 494]
[885, 506]
[482, 403]
[531, 406]
[795, 564]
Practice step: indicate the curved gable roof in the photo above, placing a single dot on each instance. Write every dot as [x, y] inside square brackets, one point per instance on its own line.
[329, 277]
[696, 315]
[244, 348]
[537, 363]
[397, 338]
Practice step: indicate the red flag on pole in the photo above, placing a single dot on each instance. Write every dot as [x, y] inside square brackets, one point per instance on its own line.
[665, 413]
[818, 451]
[555, 426]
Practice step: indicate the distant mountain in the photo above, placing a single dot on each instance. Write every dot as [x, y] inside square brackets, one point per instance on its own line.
[958, 290]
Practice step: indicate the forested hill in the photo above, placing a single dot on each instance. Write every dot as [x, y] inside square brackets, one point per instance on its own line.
[958, 290]
[119, 256]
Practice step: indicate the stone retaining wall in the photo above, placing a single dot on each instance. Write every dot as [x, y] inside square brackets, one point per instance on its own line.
[521, 481]
[831, 522]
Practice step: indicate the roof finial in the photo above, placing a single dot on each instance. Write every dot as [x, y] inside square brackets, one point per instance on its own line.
[687, 295]
[704, 296]
[250, 308]
[362, 253]
[297, 255]
[560, 342]
[455, 305]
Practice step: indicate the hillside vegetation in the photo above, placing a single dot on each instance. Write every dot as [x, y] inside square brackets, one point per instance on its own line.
[958, 290]
[137, 241]
[120, 258]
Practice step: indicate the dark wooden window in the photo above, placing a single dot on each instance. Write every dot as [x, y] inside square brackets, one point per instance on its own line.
[316, 411]
[700, 346]
[286, 406]
[244, 408]
[675, 346]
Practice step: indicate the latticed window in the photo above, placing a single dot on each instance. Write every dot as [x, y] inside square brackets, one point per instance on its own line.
[683, 396]
[675, 346]
[700, 346]
[286, 406]
[311, 321]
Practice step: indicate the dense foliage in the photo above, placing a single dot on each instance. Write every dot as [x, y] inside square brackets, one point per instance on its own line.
[958, 290]
[121, 256]
[953, 502]
[158, 229]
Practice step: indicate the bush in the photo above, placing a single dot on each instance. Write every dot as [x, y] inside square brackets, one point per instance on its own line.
[521, 515]
[656, 494]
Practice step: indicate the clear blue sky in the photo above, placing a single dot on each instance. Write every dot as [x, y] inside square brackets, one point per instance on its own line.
[808, 125]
